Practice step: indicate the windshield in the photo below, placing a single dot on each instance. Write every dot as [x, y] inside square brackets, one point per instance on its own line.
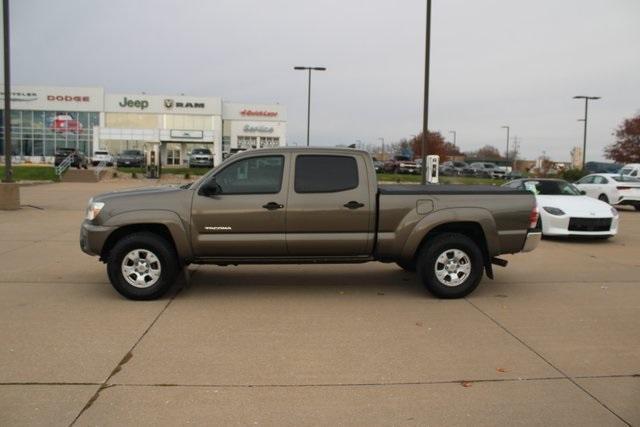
[201, 151]
[625, 178]
[626, 171]
[551, 188]
[131, 152]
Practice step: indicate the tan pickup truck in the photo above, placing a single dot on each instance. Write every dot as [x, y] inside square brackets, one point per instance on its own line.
[298, 206]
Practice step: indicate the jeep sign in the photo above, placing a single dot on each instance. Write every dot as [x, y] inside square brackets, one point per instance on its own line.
[137, 103]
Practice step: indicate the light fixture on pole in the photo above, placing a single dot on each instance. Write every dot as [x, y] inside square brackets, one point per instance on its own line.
[309, 69]
[586, 109]
[507, 128]
[454, 137]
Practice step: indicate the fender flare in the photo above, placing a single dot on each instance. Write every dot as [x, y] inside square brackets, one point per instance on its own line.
[480, 216]
[169, 219]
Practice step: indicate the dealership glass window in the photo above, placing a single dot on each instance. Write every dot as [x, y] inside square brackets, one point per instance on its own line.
[247, 142]
[226, 144]
[39, 133]
[269, 141]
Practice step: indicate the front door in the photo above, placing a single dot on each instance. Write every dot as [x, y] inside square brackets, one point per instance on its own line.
[329, 208]
[246, 217]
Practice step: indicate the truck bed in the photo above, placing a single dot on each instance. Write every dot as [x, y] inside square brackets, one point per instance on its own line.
[412, 189]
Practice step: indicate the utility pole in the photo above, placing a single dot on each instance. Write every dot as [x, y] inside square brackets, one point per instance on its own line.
[309, 69]
[425, 111]
[507, 128]
[8, 172]
[586, 109]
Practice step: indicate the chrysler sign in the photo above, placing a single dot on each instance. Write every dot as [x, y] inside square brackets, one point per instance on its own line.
[252, 128]
[259, 113]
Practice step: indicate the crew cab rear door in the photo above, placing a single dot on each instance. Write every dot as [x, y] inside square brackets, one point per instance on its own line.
[246, 217]
[330, 206]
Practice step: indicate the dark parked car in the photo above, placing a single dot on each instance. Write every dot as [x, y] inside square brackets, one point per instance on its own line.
[401, 164]
[78, 159]
[131, 158]
[602, 167]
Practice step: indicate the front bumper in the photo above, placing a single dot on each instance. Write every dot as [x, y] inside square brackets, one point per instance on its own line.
[553, 225]
[200, 162]
[93, 237]
[532, 241]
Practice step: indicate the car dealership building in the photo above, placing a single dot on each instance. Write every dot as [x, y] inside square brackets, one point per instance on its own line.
[45, 118]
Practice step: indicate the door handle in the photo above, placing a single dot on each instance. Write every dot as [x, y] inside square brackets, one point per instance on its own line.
[353, 205]
[272, 206]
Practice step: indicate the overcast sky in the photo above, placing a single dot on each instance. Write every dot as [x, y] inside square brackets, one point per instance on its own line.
[493, 62]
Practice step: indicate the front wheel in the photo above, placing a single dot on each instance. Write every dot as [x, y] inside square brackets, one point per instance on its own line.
[142, 266]
[450, 265]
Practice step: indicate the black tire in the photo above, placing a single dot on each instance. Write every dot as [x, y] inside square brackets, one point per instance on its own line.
[604, 198]
[440, 245]
[407, 265]
[149, 243]
[636, 207]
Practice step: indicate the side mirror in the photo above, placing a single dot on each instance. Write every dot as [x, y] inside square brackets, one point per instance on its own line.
[210, 187]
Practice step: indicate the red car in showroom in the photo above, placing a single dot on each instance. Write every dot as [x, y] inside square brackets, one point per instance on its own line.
[65, 123]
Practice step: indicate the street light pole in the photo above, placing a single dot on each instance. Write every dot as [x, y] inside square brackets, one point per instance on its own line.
[382, 153]
[425, 111]
[454, 137]
[584, 140]
[507, 128]
[309, 69]
[8, 173]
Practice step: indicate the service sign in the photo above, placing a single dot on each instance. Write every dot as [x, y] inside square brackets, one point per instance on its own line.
[48, 98]
[158, 104]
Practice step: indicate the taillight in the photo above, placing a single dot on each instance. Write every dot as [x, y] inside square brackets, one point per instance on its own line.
[623, 188]
[533, 217]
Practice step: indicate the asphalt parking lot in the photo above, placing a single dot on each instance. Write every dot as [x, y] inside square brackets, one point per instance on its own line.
[555, 339]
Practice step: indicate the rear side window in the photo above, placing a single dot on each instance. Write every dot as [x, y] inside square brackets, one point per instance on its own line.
[325, 174]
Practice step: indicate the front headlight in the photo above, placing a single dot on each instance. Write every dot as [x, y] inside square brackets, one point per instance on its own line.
[93, 209]
[614, 212]
[553, 211]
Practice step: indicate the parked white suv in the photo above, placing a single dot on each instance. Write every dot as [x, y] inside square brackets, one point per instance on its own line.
[632, 170]
[201, 157]
[100, 156]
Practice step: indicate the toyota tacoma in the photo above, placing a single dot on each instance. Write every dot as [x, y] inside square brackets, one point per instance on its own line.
[306, 205]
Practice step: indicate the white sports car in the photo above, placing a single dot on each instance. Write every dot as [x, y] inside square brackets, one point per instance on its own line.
[566, 211]
[612, 188]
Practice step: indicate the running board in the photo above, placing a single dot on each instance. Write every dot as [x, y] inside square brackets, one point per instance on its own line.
[223, 261]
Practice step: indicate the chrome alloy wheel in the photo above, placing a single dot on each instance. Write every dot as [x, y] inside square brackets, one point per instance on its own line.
[141, 268]
[453, 267]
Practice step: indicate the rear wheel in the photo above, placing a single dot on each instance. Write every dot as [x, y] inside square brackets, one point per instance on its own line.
[142, 266]
[604, 198]
[450, 265]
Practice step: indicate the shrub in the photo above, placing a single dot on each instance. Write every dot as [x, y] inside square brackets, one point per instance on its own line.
[187, 175]
[134, 175]
[114, 175]
[572, 175]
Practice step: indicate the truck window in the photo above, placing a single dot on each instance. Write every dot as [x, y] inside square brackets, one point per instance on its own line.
[325, 174]
[256, 175]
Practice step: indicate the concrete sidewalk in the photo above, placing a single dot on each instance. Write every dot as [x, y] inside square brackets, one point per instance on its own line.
[555, 339]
